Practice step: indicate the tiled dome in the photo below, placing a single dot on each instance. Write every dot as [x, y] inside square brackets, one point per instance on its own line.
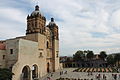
[52, 23]
[36, 12]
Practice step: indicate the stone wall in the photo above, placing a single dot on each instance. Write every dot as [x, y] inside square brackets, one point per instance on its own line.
[28, 56]
[2, 58]
[57, 55]
[12, 46]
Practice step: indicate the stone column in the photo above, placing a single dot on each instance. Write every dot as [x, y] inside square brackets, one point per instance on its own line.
[31, 75]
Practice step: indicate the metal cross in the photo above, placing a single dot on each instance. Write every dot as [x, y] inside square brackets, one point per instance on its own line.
[36, 1]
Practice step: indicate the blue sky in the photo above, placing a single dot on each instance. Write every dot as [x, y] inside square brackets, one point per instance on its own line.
[83, 24]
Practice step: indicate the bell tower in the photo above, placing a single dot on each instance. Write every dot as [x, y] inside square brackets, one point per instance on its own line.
[55, 43]
[45, 36]
[36, 22]
[54, 29]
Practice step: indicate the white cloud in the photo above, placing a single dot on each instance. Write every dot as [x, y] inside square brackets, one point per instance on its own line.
[115, 19]
[12, 14]
[79, 22]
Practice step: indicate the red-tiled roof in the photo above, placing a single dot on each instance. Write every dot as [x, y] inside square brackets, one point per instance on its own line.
[2, 46]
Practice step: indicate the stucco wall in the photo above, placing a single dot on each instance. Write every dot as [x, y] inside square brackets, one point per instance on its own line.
[32, 37]
[42, 48]
[28, 53]
[2, 61]
[57, 65]
[11, 59]
[29, 56]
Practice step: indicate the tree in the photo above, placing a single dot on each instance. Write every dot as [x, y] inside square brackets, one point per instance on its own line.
[79, 56]
[110, 60]
[85, 51]
[5, 74]
[90, 54]
[117, 58]
[103, 55]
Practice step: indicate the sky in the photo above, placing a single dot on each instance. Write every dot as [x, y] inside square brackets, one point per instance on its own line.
[83, 24]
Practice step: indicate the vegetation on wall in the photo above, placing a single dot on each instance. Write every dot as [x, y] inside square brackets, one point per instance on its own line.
[5, 74]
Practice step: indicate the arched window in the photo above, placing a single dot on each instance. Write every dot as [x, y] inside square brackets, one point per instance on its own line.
[57, 55]
[47, 44]
[48, 67]
[34, 71]
[26, 73]
[40, 55]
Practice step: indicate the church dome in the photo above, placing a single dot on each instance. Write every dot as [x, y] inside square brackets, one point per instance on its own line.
[36, 12]
[52, 23]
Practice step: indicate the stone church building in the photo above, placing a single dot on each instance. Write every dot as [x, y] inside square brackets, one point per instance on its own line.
[34, 55]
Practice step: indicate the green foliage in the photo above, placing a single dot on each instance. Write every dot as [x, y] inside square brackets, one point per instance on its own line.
[110, 60]
[103, 55]
[117, 57]
[90, 54]
[5, 74]
[79, 56]
[113, 59]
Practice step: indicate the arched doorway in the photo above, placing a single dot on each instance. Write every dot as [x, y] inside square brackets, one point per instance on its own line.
[26, 73]
[48, 67]
[34, 71]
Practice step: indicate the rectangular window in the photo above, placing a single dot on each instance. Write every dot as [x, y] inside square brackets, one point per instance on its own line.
[11, 51]
[3, 56]
[57, 55]
[40, 55]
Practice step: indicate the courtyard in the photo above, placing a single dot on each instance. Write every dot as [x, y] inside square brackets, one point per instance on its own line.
[69, 74]
[108, 70]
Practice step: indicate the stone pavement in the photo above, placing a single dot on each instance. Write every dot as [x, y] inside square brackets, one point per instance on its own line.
[80, 75]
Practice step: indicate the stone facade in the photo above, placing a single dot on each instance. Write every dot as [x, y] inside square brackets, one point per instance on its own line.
[34, 55]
